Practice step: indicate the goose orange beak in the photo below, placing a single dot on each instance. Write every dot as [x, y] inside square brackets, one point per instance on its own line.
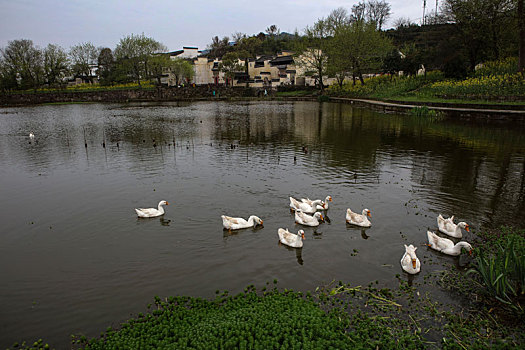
[414, 263]
[369, 214]
[467, 228]
[167, 203]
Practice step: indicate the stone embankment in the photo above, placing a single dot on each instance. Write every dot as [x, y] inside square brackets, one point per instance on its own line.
[162, 94]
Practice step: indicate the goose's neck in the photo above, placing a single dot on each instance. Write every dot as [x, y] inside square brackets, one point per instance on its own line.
[251, 220]
[460, 245]
[161, 208]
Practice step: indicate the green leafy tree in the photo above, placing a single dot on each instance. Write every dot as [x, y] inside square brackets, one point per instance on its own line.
[56, 64]
[487, 28]
[181, 69]
[230, 65]
[247, 48]
[358, 48]
[106, 65]
[23, 63]
[135, 52]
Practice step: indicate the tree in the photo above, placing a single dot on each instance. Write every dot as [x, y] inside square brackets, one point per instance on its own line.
[247, 48]
[219, 47]
[359, 11]
[337, 19]
[273, 30]
[83, 57]
[486, 27]
[56, 64]
[358, 48]
[182, 70]
[392, 63]
[106, 64]
[135, 51]
[403, 22]
[23, 63]
[230, 65]
[313, 56]
[378, 12]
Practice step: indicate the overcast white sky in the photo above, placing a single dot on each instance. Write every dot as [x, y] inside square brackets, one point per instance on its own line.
[174, 23]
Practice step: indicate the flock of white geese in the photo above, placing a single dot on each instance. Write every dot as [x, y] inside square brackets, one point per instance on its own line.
[308, 213]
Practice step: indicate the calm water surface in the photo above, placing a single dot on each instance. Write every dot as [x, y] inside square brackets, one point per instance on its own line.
[75, 259]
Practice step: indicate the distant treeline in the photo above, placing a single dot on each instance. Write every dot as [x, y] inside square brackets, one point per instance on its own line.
[462, 34]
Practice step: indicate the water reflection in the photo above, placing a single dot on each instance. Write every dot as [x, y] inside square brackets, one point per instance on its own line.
[298, 252]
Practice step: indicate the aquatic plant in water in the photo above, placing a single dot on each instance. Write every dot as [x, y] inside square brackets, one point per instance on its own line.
[502, 270]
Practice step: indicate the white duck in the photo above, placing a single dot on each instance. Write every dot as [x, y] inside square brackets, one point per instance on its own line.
[358, 219]
[447, 226]
[291, 239]
[445, 245]
[308, 220]
[230, 223]
[305, 207]
[151, 212]
[31, 135]
[322, 206]
[410, 262]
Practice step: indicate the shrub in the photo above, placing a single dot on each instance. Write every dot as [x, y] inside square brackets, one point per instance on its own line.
[502, 269]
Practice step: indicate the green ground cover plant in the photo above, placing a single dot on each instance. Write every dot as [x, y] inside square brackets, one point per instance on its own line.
[493, 81]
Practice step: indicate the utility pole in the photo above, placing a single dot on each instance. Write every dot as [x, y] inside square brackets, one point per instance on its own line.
[424, 8]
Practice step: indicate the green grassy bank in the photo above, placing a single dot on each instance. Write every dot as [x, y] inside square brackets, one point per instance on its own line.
[493, 83]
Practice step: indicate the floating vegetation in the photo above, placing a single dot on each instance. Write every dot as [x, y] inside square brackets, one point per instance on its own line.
[424, 111]
[246, 321]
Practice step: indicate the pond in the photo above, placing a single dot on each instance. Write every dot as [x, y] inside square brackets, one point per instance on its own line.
[75, 258]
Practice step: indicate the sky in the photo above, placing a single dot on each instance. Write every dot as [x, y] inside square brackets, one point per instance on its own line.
[174, 23]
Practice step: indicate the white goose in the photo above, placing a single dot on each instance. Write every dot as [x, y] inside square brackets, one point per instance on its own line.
[447, 226]
[31, 135]
[410, 262]
[308, 220]
[151, 212]
[358, 219]
[322, 206]
[291, 239]
[230, 223]
[305, 207]
[445, 245]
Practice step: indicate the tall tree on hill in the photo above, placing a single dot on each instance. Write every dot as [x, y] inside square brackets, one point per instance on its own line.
[486, 26]
[219, 47]
[378, 12]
